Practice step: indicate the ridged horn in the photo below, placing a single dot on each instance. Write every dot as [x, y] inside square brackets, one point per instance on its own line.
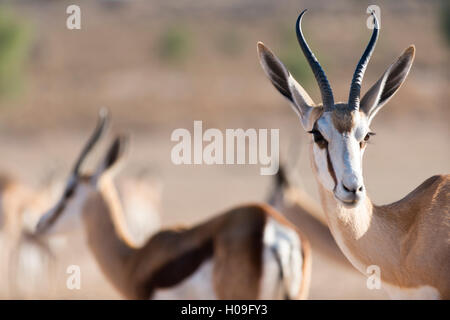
[355, 87]
[319, 74]
[93, 139]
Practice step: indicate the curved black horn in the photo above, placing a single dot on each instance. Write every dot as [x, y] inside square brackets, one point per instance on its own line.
[355, 88]
[321, 78]
[98, 132]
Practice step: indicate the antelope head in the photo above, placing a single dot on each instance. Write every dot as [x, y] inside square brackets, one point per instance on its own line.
[339, 131]
[80, 185]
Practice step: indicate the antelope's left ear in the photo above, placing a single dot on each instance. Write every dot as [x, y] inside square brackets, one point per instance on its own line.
[115, 153]
[385, 88]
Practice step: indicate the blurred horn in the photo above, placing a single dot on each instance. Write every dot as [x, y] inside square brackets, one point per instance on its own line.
[321, 78]
[102, 123]
[355, 88]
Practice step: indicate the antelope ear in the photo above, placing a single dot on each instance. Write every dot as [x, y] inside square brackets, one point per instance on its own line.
[115, 153]
[385, 88]
[284, 82]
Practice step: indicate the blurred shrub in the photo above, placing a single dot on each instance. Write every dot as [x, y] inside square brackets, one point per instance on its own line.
[14, 45]
[230, 43]
[292, 56]
[445, 19]
[174, 44]
[114, 4]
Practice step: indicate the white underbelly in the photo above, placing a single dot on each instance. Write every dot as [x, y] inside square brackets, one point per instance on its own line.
[419, 293]
[283, 242]
[199, 286]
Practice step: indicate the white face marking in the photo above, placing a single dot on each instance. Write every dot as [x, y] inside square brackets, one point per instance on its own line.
[285, 244]
[320, 157]
[419, 293]
[345, 155]
[199, 286]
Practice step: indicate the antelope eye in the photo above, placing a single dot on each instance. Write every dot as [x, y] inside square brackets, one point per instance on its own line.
[318, 137]
[363, 143]
[368, 135]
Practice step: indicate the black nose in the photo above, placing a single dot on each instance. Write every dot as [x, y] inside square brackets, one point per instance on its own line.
[353, 189]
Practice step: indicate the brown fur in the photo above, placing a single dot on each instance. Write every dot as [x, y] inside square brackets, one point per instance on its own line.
[5, 182]
[423, 221]
[302, 211]
[402, 236]
[409, 240]
[343, 118]
[13, 198]
[5, 185]
[233, 240]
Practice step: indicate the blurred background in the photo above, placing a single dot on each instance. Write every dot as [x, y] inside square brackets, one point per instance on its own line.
[160, 65]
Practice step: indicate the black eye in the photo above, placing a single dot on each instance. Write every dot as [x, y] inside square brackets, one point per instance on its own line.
[318, 137]
[366, 139]
[368, 135]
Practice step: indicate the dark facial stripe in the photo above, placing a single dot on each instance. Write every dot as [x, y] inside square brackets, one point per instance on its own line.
[330, 168]
[329, 163]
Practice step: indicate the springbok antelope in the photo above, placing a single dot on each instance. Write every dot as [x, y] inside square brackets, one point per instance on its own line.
[334, 277]
[28, 262]
[248, 252]
[409, 240]
[25, 259]
[140, 198]
[305, 213]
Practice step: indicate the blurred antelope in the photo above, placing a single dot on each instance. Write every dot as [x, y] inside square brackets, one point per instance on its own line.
[249, 252]
[409, 240]
[27, 262]
[24, 259]
[305, 213]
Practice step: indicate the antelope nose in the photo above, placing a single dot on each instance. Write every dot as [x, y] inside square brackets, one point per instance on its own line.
[353, 187]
